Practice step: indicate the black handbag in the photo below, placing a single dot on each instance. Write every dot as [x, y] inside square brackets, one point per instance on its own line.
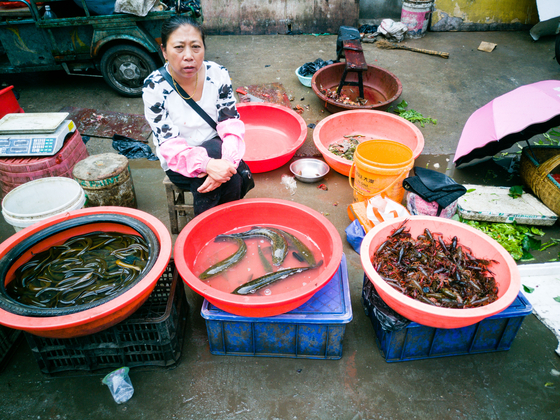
[248, 182]
[242, 169]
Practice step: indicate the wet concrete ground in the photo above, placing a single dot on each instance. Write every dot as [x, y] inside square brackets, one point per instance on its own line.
[516, 384]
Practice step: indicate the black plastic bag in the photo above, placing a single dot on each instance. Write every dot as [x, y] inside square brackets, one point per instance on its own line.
[131, 148]
[375, 306]
[367, 29]
[310, 68]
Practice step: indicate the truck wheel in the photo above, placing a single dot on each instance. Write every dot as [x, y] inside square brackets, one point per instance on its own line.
[125, 67]
[557, 49]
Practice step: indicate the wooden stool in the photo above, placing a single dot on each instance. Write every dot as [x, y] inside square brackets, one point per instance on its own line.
[355, 62]
[176, 204]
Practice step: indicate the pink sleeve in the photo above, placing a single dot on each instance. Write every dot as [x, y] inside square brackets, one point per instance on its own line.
[180, 157]
[232, 132]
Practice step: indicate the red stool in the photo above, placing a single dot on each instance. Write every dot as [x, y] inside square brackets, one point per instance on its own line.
[8, 102]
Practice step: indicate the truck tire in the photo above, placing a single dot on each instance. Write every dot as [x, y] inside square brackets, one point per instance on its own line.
[124, 68]
[557, 48]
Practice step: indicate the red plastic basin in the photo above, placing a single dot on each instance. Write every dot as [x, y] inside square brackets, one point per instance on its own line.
[273, 133]
[506, 272]
[244, 214]
[371, 124]
[107, 314]
[381, 87]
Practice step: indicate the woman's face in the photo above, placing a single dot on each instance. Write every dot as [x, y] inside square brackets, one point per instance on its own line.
[184, 51]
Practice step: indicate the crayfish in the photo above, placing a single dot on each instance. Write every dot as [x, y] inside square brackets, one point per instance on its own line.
[435, 271]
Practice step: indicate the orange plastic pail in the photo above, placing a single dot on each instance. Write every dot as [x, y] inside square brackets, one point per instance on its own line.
[379, 167]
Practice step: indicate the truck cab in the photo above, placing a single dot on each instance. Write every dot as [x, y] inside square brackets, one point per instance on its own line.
[123, 48]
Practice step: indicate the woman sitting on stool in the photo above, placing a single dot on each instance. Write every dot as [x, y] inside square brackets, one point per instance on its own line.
[197, 154]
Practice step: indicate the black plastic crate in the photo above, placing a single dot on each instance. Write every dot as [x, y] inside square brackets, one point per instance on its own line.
[8, 340]
[152, 336]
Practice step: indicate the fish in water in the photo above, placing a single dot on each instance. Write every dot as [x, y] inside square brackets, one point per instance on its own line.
[229, 261]
[279, 244]
[259, 283]
[266, 264]
[302, 249]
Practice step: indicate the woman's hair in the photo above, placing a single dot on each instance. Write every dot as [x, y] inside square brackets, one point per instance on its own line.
[174, 23]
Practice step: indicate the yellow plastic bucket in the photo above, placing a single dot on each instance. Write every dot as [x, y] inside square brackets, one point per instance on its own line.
[379, 168]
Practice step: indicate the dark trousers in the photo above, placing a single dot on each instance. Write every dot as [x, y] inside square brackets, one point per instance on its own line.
[228, 191]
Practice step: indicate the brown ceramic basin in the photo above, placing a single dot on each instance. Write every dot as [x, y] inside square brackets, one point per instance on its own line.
[381, 87]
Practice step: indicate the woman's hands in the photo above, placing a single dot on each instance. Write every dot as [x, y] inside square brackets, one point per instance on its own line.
[218, 171]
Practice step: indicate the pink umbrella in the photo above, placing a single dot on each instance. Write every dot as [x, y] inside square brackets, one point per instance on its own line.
[517, 115]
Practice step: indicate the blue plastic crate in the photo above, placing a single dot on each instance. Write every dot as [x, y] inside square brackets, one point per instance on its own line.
[416, 341]
[313, 331]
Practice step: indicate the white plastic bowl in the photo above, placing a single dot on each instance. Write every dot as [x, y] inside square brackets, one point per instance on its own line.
[304, 80]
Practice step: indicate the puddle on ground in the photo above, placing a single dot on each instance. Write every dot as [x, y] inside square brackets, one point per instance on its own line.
[493, 172]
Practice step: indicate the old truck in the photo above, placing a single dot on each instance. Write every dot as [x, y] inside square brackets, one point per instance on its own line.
[122, 48]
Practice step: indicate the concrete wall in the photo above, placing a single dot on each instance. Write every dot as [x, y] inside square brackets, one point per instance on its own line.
[377, 10]
[483, 15]
[260, 17]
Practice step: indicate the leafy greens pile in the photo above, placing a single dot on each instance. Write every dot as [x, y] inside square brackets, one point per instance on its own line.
[412, 115]
[518, 240]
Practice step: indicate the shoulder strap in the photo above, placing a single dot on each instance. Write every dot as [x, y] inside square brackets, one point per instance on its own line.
[190, 101]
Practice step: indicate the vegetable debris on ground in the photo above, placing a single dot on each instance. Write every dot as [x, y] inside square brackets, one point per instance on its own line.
[549, 140]
[412, 115]
[518, 240]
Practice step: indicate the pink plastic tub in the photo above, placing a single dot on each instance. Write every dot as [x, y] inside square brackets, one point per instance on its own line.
[506, 272]
[241, 216]
[372, 125]
[273, 133]
[79, 222]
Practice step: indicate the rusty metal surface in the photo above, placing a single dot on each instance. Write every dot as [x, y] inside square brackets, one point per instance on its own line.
[97, 123]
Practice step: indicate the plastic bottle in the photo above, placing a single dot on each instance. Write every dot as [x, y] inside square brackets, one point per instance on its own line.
[49, 14]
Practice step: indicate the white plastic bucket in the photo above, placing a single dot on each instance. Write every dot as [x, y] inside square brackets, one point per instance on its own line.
[40, 199]
[415, 14]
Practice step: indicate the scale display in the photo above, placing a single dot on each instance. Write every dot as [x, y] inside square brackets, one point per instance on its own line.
[31, 144]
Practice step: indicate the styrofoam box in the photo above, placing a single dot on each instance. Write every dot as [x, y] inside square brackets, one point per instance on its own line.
[415, 341]
[493, 204]
[315, 330]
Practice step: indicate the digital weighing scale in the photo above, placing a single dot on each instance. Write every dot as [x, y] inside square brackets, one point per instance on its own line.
[34, 134]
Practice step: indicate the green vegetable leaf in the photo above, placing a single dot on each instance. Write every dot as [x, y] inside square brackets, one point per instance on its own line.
[516, 191]
[526, 256]
[528, 289]
[412, 115]
[557, 298]
[549, 384]
[471, 190]
[551, 243]
[530, 243]
[536, 231]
